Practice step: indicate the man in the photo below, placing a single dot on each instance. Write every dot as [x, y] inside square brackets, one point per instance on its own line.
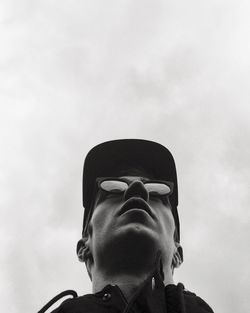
[131, 234]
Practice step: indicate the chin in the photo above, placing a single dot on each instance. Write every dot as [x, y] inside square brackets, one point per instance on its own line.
[129, 248]
[136, 234]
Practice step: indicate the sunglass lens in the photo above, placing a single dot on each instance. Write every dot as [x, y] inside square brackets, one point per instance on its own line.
[158, 189]
[114, 186]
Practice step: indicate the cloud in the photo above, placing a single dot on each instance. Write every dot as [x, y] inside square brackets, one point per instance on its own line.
[73, 75]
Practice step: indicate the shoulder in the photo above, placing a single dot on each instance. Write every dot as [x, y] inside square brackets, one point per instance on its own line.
[195, 304]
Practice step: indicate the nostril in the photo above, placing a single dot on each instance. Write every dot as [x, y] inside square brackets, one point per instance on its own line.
[136, 189]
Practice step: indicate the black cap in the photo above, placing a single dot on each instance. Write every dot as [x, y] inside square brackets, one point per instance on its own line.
[110, 158]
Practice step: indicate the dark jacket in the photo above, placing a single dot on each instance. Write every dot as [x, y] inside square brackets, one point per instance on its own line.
[111, 300]
[151, 297]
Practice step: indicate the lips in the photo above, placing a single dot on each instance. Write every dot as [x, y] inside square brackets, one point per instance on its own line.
[136, 203]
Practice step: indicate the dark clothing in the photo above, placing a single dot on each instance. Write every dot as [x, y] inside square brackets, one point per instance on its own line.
[151, 297]
[111, 300]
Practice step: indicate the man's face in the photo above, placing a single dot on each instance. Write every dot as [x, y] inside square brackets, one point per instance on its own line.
[132, 225]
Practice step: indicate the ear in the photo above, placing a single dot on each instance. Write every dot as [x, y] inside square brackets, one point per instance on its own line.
[82, 249]
[178, 256]
[84, 254]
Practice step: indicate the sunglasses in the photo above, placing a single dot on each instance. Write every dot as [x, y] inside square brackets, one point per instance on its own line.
[114, 185]
[119, 186]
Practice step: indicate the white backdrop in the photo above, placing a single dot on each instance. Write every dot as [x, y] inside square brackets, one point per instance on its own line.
[76, 73]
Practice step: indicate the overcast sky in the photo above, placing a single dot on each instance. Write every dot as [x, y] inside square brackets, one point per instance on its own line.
[76, 73]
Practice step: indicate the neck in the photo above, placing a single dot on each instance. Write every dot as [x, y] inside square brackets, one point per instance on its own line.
[128, 284]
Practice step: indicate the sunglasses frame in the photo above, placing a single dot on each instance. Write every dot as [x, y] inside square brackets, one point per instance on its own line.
[99, 180]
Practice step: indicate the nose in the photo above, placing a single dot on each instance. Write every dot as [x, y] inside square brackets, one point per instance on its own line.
[136, 189]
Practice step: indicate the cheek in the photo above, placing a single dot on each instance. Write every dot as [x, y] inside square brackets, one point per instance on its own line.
[98, 219]
[164, 212]
[167, 221]
[169, 224]
[97, 229]
[102, 216]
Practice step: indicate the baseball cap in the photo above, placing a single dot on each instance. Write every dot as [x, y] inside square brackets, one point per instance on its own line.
[110, 158]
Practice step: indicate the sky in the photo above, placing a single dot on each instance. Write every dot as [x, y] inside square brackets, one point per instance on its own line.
[76, 73]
